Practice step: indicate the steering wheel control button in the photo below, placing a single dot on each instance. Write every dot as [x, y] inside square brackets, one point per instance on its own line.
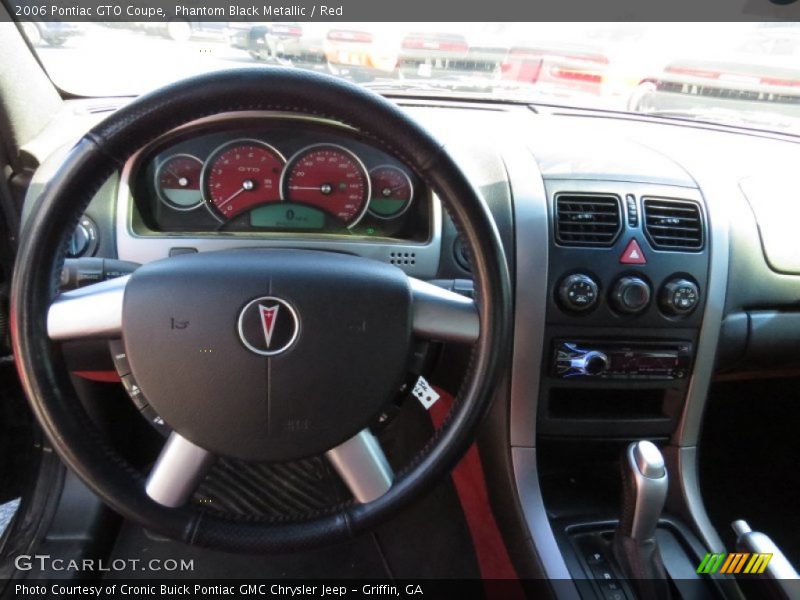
[578, 292]
[630, 295]
[120, 357]
[633, 255]
[152, 417]
[134, 391]
[679, 297]
[268, 326]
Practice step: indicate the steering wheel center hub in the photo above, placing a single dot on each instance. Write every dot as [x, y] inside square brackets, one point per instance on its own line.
[267, 354]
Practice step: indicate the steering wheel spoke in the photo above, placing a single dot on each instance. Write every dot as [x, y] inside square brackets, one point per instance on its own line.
[94, 311]
[441, 315]
[178, 471]
[362, 465]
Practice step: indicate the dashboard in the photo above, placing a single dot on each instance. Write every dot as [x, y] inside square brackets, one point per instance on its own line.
[255, 176]
[641, 266]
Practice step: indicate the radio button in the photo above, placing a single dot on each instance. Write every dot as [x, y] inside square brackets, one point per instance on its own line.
[630, 295]
[592, 363]
[578, 292]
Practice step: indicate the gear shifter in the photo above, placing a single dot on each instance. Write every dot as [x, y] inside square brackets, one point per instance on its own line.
[644, 490]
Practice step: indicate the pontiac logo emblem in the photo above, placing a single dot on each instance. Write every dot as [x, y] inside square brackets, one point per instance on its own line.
[268, 325]
[268, 318]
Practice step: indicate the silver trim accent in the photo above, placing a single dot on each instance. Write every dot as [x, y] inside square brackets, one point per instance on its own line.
[180, 468]
[214, 154]
[688, 430]
[281, 302]
[363, 466]
[717, 196]
[532, 231]
[756, 542]
[94, 311]
[164, 200]
[649, 460]
[442, 315]
[526, 475]
[353, 155]
[688, 481]
[147, 248]
[650, 491]
[410, 187]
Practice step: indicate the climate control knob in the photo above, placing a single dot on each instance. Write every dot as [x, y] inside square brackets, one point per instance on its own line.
[679, 296]
[630, 295]
[578, 292]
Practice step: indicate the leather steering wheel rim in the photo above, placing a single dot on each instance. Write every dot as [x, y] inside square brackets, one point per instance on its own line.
[102, 152]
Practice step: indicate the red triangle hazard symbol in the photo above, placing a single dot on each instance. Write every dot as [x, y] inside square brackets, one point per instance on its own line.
[633, 254]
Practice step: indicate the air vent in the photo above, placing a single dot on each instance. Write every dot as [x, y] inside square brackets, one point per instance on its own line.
[587, 220]
[673, 224]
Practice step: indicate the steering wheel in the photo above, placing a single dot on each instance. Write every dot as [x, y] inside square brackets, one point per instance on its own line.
[232, 380]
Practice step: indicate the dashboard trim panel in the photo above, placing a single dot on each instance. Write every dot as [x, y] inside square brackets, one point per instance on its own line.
[532, 232]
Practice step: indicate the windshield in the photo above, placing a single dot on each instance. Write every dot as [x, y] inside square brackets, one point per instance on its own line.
[737, 73]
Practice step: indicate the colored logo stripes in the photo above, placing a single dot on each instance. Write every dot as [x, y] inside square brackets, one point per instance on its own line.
[734, 563]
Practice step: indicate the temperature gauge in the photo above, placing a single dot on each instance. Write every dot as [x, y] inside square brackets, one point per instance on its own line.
[178, 182]
[392, 192]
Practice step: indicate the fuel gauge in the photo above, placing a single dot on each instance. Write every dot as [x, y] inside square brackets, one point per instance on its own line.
[392, 192]
[178, 182]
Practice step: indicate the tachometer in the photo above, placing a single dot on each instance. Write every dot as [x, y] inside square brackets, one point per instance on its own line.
[241, 175]
[392, 192]
[178, 182]
[328, 177]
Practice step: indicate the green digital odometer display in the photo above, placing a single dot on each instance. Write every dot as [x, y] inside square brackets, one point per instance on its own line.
[285, 215]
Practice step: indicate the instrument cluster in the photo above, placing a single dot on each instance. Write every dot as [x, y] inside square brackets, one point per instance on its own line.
[277, 175]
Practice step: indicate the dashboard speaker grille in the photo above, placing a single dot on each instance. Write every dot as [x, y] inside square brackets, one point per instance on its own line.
[587, 219]
[673, 224]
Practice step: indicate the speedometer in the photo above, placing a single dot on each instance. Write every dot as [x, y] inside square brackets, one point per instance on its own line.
[241, 175]
[330, 178]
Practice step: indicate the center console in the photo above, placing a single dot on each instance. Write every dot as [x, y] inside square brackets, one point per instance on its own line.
[627, 274]
[610, 355]
[627, 280]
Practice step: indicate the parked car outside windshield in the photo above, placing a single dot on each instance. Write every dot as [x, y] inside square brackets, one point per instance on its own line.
[732, 73]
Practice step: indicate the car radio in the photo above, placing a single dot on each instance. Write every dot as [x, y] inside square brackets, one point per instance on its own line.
[621, 360]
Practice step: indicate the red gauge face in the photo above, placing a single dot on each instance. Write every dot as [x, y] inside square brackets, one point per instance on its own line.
[241, 175]
[391, 192]
[330, 178]
[178, 182]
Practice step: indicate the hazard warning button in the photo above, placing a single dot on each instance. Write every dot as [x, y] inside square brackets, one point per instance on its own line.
[633, 254]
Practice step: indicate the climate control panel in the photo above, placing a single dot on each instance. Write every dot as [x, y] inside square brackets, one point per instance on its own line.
[630, 294]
